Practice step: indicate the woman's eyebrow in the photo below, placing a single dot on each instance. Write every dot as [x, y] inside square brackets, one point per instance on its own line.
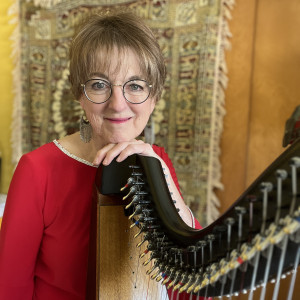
[101, 75]
[97, 74]
[135, 77]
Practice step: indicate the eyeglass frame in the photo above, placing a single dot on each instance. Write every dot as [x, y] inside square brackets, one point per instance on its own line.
[111, 90]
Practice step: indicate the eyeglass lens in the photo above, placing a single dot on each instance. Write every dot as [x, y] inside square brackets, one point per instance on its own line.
[99, 91]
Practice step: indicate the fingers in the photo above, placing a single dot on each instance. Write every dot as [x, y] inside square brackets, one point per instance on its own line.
[139, 147]
[122, 151]
[100, 156]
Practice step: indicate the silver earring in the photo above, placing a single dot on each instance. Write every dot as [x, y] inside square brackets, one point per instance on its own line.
[85, 129]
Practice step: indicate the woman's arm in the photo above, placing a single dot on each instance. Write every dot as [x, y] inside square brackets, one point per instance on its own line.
[21, 233]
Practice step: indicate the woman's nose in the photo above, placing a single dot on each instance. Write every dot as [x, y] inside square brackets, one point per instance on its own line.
[117, 100]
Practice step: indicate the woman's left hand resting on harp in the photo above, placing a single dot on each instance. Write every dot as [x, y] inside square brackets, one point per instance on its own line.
[122, 150]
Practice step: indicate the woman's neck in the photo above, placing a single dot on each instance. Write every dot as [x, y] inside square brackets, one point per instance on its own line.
[76, 146]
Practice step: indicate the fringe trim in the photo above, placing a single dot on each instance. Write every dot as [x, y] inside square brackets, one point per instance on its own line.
[17, 124]
[221, 81]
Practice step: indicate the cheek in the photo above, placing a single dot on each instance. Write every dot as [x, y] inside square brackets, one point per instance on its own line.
[95, 121]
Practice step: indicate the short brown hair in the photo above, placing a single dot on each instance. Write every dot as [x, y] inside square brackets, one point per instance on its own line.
[115, 29]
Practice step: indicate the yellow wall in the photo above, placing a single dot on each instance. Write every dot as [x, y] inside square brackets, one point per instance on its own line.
[6, 97]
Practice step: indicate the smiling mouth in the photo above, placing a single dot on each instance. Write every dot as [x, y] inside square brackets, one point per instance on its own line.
[118, 120]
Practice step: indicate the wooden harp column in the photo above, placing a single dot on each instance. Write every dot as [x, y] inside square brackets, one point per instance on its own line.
[118, 273]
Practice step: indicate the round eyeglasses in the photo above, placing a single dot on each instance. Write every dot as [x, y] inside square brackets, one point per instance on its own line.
[135, 91]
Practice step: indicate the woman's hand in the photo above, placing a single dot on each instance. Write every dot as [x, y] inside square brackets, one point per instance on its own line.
[122, 150]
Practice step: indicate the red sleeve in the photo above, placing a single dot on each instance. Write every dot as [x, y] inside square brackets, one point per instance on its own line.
[21, 232]
[161, 153]
[165, 157]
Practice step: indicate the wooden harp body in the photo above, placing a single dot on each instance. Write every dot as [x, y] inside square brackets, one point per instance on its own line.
[118, 273]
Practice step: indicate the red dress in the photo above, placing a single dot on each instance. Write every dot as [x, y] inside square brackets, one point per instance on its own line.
[45, 231]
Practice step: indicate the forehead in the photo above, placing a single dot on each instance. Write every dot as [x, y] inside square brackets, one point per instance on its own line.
[117, 64]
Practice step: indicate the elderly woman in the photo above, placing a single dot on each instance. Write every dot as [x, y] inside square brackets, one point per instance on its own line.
[117, 73]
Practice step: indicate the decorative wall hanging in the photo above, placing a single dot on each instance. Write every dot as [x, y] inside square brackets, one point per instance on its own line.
[188, 118]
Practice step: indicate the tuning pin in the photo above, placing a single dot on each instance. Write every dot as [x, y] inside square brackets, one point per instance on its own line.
[141, 243]
[155, 275]
[153, 268]
[135, 223]
[162, 273]
[159, 278]
[135, 199]
[190, 279]
[143, 229]
[144, 253]
[154, 254]
[132, 190]
[183, 280]
[145, 263]
[177, 276]
[138, 211]
[147, 236]
[170, 276]
[177, 286]
[130, 182]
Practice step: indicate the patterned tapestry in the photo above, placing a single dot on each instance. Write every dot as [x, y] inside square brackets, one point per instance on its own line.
[187, 120]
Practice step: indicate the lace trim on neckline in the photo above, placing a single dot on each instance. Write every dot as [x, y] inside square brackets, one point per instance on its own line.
[72, 155]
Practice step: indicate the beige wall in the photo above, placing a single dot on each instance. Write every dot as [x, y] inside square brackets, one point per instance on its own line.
[264, 80]
[264, 89]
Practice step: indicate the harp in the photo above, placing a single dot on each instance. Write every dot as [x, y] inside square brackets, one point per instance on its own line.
[255, 241]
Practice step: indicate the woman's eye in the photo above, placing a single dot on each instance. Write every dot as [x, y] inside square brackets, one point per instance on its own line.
[99, 85]
[135, 87]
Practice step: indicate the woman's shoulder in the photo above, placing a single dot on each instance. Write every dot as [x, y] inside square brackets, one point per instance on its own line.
[40, 158]
[43, 152]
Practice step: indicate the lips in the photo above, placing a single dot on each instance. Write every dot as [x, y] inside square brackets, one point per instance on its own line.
[117, 120]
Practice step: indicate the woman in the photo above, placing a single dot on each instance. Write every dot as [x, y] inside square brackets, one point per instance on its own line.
[117, 73]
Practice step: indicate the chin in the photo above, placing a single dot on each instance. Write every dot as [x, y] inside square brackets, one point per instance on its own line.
[116, 140]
